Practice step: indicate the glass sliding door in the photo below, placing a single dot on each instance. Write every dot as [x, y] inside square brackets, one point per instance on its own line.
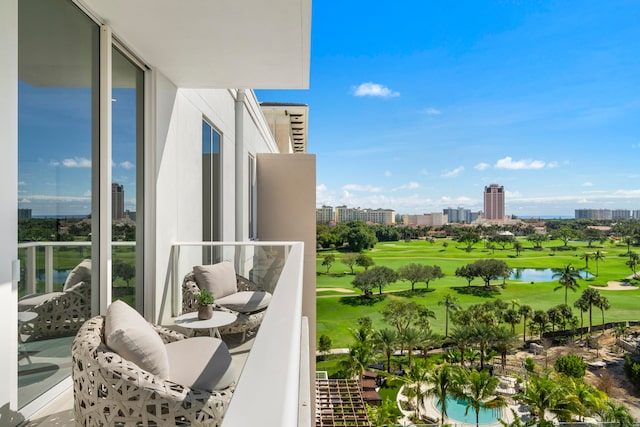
[127, 212]
[58, 123]
[211, 191]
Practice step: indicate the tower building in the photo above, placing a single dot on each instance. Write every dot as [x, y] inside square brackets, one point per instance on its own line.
[494, 202]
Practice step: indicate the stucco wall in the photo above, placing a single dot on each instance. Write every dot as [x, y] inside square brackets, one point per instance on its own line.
[8, 211]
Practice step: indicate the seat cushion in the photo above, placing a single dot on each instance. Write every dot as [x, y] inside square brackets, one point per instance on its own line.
[29, 301]
[203, 363]
[219, 279]
[81, 273]
[246, 301]
[127, 333]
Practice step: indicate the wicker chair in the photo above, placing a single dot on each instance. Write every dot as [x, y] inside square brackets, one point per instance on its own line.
[112, 391]
[59, 314]
[246, 322]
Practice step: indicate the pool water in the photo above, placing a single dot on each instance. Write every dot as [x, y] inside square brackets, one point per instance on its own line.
[456, 409]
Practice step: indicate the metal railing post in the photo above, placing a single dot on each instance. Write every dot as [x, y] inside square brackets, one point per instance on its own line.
[48, 269]
[30, 266]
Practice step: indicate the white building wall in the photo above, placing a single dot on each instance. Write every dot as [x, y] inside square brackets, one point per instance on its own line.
[178, 172]
[8, 209]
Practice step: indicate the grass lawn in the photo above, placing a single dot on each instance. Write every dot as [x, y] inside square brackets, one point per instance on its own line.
[338, 312]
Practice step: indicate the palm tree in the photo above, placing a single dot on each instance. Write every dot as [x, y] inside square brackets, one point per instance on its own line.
[591, 297]
[541, 319]
[386, 340]
[477, 389]
[603, 304]
[461, 338]
[568, 279]
[586, 257]
[416, 380]
[597, 256]
[441, 379]
[582, 305]
[482, 335]
[512, 317]
[358, 359]
[526, 312]
[543, 394]
[585, 399]
[410, 338]
[617, 413]
[503, 340]
[634, 260]
[450, 303]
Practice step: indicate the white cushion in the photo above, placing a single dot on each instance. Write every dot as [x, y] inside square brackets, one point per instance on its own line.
[203, 363]
[246, 301]
[29, 301]
[132, 337]
[219, 279]
[81, 273]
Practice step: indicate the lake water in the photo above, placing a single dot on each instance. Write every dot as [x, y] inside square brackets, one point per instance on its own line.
[539, 274]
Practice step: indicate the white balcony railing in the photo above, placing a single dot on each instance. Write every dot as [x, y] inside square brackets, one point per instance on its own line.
[268, 392]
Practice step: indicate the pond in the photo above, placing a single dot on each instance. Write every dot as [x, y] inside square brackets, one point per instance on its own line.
[539, 274]
[59, 276]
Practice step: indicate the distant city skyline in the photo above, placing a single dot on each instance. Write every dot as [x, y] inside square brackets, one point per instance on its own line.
[417, 106]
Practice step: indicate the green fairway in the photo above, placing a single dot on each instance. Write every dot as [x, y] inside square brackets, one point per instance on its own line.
[337, 312]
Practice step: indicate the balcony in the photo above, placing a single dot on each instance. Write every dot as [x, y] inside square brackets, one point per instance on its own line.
[279, 346]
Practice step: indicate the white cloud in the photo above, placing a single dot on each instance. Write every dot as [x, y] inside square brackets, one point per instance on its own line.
[25, 201]
[587, 184]
[482, 166]
[363, 188]
[453, 173]
[509, 163]
[127, 165]
[552, 165]
[387, 173]
[54, 163]
[431, 111]
[374, 89]
[76, 162]
[410, 186]
[424, 172]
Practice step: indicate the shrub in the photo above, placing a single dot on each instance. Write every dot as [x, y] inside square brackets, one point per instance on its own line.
[529, 364]
[571, 365]
[632, 371]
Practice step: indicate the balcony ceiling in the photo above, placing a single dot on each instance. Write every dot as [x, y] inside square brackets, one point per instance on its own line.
[216, 43]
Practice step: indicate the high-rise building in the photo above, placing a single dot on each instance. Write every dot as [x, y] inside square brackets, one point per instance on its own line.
[494, 202]
[378, 216]
[117, 201]
[325, 215]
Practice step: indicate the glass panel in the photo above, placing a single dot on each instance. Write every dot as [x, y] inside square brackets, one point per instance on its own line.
[57, 128]
[211, 193]
[128, 140]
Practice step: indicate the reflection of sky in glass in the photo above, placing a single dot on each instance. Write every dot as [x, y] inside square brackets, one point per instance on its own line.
[54, 156]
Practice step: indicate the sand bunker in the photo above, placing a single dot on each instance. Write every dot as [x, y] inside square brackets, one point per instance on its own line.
[343, 290]
[616, 286]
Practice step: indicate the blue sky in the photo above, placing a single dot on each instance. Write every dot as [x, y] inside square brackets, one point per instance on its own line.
[416, 106]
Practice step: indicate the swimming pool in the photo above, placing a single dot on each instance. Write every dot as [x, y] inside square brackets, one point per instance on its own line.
[456, 409]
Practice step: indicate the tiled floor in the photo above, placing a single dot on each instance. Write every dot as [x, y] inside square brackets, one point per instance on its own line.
[58, 414]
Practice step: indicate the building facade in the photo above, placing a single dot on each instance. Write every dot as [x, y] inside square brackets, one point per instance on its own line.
[377, 216]
[434, 219]
[494, 201]
[117, 200]
[325, 215]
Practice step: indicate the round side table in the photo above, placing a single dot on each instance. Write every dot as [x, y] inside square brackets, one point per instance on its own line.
[191, 322]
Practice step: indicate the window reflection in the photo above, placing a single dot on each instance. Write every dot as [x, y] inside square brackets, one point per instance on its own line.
[57, 131]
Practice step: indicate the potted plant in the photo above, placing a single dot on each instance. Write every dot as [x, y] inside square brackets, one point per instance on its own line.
[205, 304]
